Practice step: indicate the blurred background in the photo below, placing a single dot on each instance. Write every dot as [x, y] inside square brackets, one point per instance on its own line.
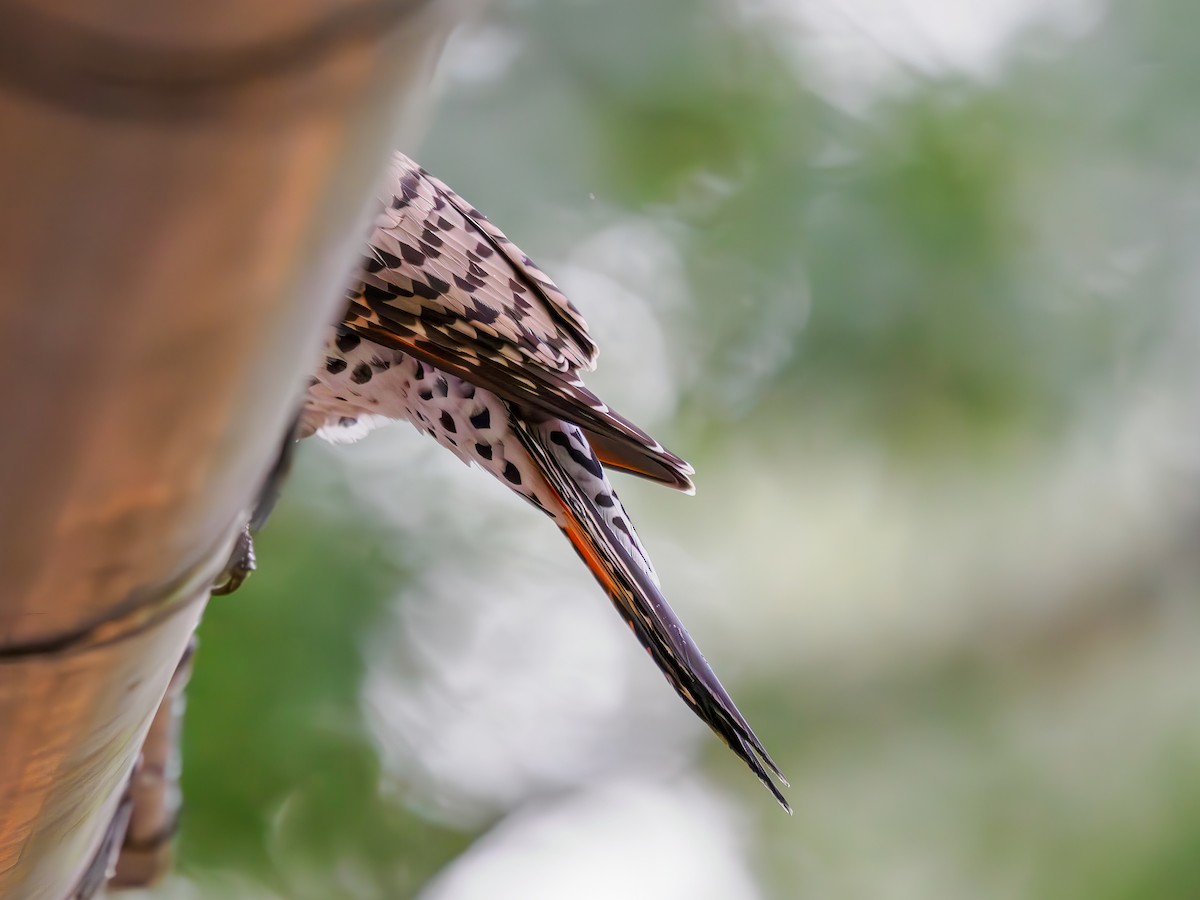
[912, 284]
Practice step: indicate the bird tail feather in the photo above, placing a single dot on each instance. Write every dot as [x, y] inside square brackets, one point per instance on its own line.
[595, 523]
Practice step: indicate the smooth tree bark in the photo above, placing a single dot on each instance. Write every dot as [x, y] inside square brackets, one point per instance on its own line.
[183, 189]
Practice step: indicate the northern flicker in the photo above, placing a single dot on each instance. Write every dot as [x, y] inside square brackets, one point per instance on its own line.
[451, 327]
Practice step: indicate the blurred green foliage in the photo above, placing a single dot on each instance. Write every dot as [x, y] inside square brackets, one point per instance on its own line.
[968, 275]
[285, 775]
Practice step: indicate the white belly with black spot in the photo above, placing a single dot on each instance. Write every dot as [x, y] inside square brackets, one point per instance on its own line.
[360, 385]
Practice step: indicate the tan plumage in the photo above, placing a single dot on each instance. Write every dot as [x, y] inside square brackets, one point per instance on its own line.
[451, 327]
[445, 284]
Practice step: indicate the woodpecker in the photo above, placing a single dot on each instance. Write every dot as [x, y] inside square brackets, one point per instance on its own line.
[450, 327]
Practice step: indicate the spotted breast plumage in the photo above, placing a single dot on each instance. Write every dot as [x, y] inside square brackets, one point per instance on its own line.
[450, 327]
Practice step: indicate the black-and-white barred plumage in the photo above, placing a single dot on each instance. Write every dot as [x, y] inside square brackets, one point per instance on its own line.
[450, 327]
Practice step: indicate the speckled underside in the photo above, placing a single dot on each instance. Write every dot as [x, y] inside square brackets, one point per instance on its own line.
[450, 327]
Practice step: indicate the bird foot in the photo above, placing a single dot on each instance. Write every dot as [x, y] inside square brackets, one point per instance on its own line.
[241, 564]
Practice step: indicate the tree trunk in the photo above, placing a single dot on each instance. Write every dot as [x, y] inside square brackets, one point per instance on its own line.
[183, 190]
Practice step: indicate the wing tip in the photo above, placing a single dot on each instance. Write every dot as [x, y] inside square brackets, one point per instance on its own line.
[682, 471]
[675, 472]
[682, 480]
[643, 457]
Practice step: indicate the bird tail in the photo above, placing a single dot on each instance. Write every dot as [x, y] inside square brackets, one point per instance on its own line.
[597, 526]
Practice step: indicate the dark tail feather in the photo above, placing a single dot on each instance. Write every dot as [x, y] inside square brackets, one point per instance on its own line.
[655, 463]
[644, 608]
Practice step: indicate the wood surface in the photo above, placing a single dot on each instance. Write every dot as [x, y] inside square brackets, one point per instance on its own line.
[183, 190]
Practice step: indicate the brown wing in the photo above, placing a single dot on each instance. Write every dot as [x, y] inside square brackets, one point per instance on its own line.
[443, 283]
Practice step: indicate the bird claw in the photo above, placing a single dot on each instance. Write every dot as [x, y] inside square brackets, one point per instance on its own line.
[241, 564]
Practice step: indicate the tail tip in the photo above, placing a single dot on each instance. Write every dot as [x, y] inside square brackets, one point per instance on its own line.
[778, 795]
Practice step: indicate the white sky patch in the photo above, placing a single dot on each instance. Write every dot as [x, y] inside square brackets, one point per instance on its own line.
[626, 278]
[480, 54]
[630, 840]
[852, 51]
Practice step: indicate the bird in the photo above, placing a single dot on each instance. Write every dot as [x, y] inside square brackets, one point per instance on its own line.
[452, 328]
